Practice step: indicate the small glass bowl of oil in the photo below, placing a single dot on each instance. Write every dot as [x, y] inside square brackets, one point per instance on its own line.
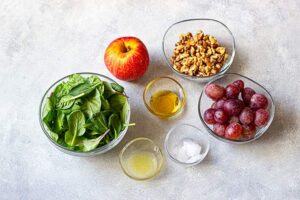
[141, 159]
[164, 97]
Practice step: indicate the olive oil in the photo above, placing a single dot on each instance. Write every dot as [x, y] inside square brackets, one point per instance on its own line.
[165, 103]
[142, 164]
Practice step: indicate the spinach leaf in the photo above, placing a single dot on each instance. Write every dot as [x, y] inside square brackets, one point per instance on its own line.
[117, 87]
[65, 102]
[115, 125]
[117, 102]
[104, 104]
[101, 89]
[90, 144]
[76, 106]
[64, 88]
[48, 115]
[76, 123]
[108, 91]
[94, 80]
[75, 80]
[99, 123]
[83, 89]
[124, 112]
[53, 135]
[61, 90]
[60, 122]
[48, 111]
[91, 104]
[107, 113]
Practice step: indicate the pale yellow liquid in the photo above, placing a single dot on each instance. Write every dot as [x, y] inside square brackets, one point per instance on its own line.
[142, 164]
[165, 102]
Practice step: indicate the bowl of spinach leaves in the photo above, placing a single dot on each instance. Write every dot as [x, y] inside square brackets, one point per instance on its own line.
[85, 114]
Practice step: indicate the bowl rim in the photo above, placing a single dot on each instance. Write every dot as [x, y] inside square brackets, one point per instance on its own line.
[224, 67]
[151, 83]
[264, 129]
[96, 151]
[199, 131]
[130, 143]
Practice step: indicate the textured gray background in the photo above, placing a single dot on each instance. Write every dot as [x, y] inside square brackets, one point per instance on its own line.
[42, 41]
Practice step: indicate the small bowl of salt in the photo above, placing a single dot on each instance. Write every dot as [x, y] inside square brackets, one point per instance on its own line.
[186, 144]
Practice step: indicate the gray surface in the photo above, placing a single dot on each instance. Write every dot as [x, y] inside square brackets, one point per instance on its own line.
[43, 41]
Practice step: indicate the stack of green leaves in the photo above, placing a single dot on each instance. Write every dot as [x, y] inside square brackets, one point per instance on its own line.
[85, 113]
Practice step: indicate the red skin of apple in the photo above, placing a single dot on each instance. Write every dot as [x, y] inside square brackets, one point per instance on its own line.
[127, 58]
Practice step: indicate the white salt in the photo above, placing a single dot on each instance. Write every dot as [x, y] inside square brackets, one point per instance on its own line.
[188, 151]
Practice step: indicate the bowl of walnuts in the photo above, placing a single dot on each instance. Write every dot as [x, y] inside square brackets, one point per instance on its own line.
[198, 49]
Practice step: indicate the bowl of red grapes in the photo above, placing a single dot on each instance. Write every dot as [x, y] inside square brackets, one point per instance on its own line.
[235, 109]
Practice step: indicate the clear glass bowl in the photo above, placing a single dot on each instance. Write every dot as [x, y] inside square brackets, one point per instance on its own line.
[94, 152]
[185, 132]
[136, 146]
[209, 26]
[205, 102]
[160, 84]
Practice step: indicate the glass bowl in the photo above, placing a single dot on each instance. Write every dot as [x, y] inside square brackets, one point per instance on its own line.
[185, 132]
[93, 152]
[209, 26]
[205, 102]
[141, 146]
[164, 83]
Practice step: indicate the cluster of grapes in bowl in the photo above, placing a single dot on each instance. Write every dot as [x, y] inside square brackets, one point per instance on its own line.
[235, 116]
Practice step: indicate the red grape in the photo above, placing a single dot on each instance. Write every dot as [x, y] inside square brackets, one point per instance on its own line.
[258, 101]
[234, 119]
[261, 117]
[233, 131]
[220, 116]
[214, 91]
[219, 129]
[233, 107]
[232, 91]
[247, 93]
[247, 116]
[209, 116]
[239, 83]
[218, 104]
[249, 131]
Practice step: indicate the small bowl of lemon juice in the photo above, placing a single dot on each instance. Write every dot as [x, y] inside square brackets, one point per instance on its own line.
[141, 159]
[164, 97]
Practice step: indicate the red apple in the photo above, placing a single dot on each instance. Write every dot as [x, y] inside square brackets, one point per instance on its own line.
[127, 58]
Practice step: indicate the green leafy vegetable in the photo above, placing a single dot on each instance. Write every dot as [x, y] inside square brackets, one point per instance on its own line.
[99, 123]
[47, 114]
[85, 113]
[117, 87]
[115, 124]
[90, 144]
[108, 90]
[60, 122]
[83, 89]
[117, 102]
[104, 104]
[65, 102]
[124, 112]
[76, 124]
[92, 104]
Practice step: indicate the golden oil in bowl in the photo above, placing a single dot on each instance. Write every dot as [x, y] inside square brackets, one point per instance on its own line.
[164, 97]
[165, 103]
